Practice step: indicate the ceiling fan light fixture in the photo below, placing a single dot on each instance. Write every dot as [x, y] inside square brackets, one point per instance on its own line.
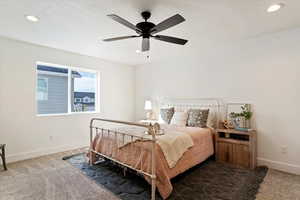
[32, 18]
[275, 7]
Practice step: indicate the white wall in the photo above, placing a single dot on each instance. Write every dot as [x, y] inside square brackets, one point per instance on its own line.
[264, 71]
[27, 135]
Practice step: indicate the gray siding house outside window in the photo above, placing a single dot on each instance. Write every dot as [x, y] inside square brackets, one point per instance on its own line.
[57, 95]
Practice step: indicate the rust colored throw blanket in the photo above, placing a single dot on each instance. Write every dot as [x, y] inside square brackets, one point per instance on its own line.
[138, 155]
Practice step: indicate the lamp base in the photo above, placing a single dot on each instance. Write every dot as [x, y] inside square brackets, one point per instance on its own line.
[149, 115]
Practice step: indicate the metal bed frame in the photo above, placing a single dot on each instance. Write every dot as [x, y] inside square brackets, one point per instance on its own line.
[152, 130]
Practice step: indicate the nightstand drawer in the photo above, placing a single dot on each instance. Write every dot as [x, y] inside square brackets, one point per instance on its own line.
[224, 153]
[241, 155]
[237, 154]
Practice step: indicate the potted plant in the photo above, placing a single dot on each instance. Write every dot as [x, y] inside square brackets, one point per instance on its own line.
[242, 119]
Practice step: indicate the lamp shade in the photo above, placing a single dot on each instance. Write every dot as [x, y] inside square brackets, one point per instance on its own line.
[148, 105]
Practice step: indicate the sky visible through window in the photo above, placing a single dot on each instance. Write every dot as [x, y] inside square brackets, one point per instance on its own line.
[86, 83]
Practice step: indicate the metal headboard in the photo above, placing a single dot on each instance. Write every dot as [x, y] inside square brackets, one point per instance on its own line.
[215, 105]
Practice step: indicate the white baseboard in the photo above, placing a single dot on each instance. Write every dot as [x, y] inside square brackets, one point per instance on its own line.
[281, 166]
[41, 152]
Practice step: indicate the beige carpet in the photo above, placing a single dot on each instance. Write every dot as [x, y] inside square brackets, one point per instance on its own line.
[279, 186]
[50, 178]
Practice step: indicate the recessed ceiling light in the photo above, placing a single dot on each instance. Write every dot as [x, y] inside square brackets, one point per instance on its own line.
[275, 7]
[32, 18]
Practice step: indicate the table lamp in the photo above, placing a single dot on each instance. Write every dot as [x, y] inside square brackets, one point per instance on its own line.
[148, 108]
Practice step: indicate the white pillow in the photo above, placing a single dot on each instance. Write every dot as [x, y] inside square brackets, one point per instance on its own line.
[212, 120]
[179, 118]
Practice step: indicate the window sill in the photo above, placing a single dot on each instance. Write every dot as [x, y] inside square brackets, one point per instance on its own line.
[67, 114]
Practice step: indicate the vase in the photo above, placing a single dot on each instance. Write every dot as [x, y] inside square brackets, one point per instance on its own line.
[241, 122]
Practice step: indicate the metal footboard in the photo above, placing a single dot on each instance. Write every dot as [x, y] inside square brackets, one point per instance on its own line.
[152, 130]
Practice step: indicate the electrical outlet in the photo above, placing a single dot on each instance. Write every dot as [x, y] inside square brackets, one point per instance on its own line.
[284, 149]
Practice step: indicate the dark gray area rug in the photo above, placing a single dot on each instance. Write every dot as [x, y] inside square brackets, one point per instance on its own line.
[209, 180]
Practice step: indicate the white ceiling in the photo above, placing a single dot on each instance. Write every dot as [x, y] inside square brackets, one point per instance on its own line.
[79, 25]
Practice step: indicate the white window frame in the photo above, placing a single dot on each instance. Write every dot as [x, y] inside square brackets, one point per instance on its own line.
[70, 69]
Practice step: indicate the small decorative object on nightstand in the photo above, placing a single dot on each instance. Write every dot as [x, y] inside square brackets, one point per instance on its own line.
[2, 154]
[236, 147]
[148, 108]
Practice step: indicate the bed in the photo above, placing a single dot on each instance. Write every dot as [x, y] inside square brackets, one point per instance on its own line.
[147, 148]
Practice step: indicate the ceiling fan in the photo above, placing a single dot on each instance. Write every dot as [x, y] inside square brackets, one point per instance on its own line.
[146, 29]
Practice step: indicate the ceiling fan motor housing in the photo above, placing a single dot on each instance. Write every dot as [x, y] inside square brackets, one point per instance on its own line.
[145, 27]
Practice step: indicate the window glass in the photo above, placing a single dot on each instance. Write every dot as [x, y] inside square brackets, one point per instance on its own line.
[42, 89]
[52, 90]
[83, 91]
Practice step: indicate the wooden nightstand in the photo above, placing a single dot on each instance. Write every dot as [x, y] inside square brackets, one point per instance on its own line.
[236, 147]
[148, 121]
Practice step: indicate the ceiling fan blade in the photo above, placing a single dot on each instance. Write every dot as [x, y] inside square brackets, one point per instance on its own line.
[145, 44]
[120, 38]
[124, 22]
[168, 23]
[171, 39]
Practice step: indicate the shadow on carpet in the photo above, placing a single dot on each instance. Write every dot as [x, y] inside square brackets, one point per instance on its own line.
[209, 180]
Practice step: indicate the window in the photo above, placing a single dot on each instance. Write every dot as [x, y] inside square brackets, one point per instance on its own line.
[65, 90]
[77, 100]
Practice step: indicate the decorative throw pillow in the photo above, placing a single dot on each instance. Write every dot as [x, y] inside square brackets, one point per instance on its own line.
[179, 118]
[167, 114]
[198, 117]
